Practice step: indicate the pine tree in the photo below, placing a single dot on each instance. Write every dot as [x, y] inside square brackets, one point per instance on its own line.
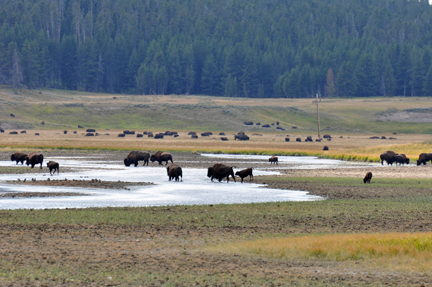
[367, 80]
[210, 80]
[427, 86]
[330, 84]
[345, 81]
[16, 72]
[69, 62]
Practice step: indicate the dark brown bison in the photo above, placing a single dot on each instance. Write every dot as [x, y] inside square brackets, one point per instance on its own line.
[401, 159]
[19, 157]
[174, 172]
[53, 166]
[274, 159]
[388, 156]
[367, 177]
[34, 158]
[161, 156]
[219, 171]
[244, 173]
[424, 158]
[135, 156]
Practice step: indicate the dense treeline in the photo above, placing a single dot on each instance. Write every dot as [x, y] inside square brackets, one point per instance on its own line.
[254, 48]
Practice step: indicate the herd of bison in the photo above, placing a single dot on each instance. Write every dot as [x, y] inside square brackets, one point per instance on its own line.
[217, 171]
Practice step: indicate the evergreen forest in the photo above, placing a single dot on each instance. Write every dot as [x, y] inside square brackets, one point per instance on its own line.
[232, 48]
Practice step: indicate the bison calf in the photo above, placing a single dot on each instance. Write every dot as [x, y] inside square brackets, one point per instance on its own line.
[244, 173]
[53, 166]
[274, 159]
[367, 177]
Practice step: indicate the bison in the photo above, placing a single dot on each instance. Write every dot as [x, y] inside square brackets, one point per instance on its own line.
[401, 159]
[219, 171]
[245, 173]
[135, 156]
[388, 156]
[33, 159]
[161, 156]
[424, 158]
[174, 172]
[367, 177]
[53, 166]
[274, 159]
[19, 157]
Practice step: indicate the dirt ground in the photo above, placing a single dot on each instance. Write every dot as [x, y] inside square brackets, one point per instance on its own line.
[164, 249]
[174, 250]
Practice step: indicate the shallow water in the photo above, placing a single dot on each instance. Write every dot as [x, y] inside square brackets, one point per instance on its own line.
[196, 188]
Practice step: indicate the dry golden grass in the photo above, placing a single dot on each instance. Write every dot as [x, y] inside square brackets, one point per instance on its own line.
[405, 252]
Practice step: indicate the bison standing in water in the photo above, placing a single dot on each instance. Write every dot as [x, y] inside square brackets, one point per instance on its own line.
[367, 177]
[245, 173]
[174, 172]
[53, 166]
[274, 159]
[135, 156]
[161, 156]
[19, 157]
[219, 171]
[424, 158]
[33, 159]
[388, 156]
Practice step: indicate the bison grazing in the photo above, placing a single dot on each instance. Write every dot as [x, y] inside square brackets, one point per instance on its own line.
[244, 173]
[33, 159]
[53, 166]
[161, 156]
[19, 157]
[135, 156]
[367, 177]
[274, 159]
[401, 159]
[424, 158]
[388, 156]
[174, 172]
[219, 171]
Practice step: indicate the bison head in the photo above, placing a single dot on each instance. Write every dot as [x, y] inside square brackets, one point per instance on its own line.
[127, 162]
[419, 162]
[237, 173]
[210, 172]
[152, 158]
[13, 157]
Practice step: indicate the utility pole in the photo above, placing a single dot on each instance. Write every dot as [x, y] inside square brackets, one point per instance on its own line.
[318, 119]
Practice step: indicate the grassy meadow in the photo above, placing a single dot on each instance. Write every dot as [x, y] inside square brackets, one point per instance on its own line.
[387, 234]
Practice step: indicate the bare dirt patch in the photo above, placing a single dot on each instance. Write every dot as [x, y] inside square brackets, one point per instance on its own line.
[39, 194]
[407, 117]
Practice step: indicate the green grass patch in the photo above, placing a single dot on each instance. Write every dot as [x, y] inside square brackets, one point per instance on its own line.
[349, 181]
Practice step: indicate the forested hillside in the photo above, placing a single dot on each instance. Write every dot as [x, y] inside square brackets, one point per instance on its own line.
[237, 48]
